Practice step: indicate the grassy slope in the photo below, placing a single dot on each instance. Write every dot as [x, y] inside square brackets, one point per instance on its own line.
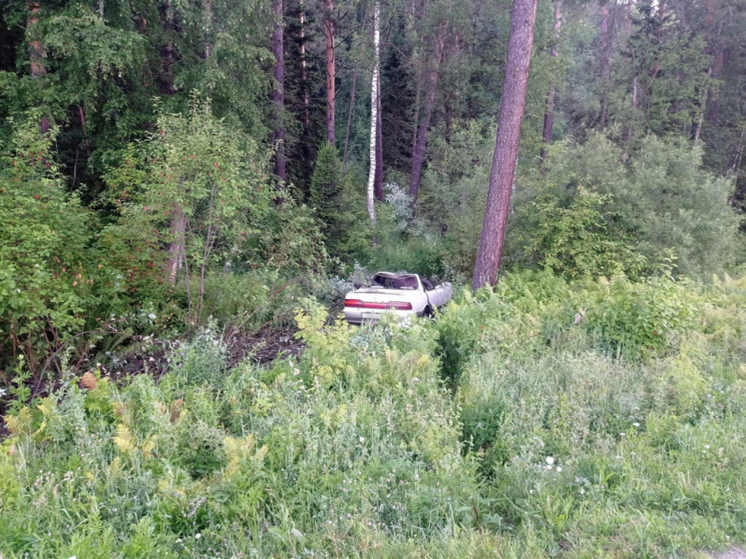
[547, 419]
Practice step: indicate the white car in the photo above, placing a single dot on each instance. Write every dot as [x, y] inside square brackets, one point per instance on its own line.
[402, 294]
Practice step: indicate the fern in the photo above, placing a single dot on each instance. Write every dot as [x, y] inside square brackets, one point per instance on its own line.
[20, 423]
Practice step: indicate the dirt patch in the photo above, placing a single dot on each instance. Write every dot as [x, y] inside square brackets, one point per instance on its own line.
[265, 345]
[148, 356]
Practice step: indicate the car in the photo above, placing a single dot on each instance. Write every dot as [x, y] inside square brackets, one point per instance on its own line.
[399, 293]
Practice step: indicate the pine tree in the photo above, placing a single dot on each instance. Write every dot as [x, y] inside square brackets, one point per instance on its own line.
[326, 192]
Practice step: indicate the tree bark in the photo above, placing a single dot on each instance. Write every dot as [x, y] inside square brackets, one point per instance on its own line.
[718, 61]
[303, 75]
[177, 245]
[36, 51]
[418, 154]
[208, 29]
[512, 105]
[349, 120]
[169, 52]
[628, 20]
[278, 93]
[607, 46]
[735, 168]
[374, 114]
[549, 114]
[378, 186]
[330, 70]
[416, 119]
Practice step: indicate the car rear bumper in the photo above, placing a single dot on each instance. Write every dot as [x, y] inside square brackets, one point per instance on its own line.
[358, 316]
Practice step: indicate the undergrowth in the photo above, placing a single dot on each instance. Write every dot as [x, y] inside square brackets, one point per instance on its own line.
[544, 418]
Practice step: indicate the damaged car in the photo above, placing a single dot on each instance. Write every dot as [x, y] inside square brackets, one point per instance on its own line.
[399, 293]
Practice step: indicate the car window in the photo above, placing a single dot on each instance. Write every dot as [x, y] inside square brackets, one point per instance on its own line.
[396, 282]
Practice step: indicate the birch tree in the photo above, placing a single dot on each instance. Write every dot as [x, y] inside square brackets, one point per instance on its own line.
[374, 107]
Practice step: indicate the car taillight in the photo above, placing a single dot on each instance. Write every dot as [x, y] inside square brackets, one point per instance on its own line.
[398, 305]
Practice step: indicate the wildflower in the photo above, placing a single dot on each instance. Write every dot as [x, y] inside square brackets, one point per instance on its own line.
[559, 469]
[197, 536]
[635, 424]
[550, 460]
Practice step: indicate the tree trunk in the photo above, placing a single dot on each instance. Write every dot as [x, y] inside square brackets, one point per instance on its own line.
[504, 160]
[449, 119]
[36, 51]
[374, 114]
[169, 52]
[349, 120]
[176, 247]
[330, 70]
[416, 119]
[549, 114]
[702, 105]
[208, 29]
[628, 21]
[718, 61]
[735, 167]
[303, 75]
[418, 155]
[278, 93]
[378, 186]
[607, 46]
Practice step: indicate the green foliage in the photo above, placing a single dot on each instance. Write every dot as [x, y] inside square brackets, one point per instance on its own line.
[326, 192]
[575, 241]
[591, 214]
[51, 281]
[204, 190]
[676, 205]
[644, 316]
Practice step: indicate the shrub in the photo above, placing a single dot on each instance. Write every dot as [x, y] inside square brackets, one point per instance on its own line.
[647, 316]
[51, 282]
[326, 192]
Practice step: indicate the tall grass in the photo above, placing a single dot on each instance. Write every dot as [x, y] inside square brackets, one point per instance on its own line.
[537, 420]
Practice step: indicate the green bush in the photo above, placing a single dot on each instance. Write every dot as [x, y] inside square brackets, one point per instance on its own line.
[52, 283]
[647, 316]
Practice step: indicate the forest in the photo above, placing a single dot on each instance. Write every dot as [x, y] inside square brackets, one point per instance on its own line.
[189, 189]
